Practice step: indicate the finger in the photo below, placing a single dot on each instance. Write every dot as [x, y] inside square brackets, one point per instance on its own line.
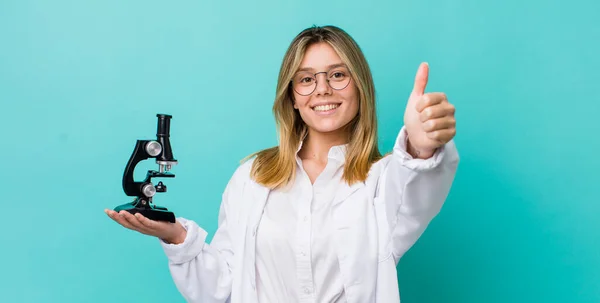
[430, 99]
[437, 111]
[147, 223]
[134, 222]
[432, 125]
[442, 135]
[119, 219]
[421, 79]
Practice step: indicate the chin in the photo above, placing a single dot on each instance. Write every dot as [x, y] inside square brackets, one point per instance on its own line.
[327, 126]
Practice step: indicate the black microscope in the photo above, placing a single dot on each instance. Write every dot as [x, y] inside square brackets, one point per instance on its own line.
[144, 191]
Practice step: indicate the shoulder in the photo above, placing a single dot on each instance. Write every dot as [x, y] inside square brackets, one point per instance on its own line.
[243, 171]
[380, 164]
[233, 192]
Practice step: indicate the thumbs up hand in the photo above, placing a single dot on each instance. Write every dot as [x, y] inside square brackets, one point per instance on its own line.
[429, 118]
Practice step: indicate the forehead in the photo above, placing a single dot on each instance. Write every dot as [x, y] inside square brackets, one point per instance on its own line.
[319, 56]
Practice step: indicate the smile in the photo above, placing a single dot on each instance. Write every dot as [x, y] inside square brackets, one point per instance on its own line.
[325, 107]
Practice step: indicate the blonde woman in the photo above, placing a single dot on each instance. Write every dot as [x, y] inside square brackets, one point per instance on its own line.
[323, 216]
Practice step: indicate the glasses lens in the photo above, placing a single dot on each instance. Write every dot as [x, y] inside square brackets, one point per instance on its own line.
[338, 78]
[304, 83]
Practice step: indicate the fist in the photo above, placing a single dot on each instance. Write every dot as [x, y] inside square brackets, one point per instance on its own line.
[429, 118]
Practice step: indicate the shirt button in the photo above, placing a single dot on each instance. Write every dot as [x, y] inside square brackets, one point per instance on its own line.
[306, 290]
[305, 218]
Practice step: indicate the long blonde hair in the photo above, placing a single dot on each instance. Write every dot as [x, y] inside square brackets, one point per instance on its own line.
[276, 167]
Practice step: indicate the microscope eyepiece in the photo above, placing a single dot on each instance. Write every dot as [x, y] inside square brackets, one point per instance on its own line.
[162, 135]
[164, 125]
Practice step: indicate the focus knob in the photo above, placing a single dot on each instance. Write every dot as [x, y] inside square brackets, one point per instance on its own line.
[148, 190]
[153, 148]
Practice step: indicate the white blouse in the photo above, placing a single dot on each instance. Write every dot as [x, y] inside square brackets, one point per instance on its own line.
[295, 257]
[373, 224]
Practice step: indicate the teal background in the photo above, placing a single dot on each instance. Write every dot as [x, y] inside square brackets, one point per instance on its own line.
[80, 81]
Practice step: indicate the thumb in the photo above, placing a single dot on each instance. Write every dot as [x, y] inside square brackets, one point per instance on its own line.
[421, 79]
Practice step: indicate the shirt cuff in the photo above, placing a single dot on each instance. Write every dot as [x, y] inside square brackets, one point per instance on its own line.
[192, 245]
[401, 154]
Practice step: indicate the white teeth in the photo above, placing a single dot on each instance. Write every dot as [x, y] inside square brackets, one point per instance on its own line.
[322, 108]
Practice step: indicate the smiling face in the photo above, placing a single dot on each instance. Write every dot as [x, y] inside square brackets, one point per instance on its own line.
[331, 106]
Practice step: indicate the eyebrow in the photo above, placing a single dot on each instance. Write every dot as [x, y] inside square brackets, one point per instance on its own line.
[328, 67]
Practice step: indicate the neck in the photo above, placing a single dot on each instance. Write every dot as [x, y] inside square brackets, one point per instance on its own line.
[316, 146]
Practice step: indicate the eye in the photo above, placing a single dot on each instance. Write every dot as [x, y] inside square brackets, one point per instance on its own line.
[337, 75]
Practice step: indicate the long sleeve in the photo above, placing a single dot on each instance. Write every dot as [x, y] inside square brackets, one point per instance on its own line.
[201, 271]
[414, 191]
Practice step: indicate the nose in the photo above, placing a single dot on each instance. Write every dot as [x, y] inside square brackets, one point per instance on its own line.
[323, 87]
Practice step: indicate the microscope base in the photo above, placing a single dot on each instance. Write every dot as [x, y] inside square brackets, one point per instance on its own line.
[155, 213]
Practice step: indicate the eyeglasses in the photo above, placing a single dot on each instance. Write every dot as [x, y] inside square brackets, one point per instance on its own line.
[305, 83]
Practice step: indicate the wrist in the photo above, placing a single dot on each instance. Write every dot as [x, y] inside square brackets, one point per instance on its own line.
[418, 153]
[178, 237]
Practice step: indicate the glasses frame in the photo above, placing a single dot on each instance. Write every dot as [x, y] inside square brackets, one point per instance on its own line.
[317, 83]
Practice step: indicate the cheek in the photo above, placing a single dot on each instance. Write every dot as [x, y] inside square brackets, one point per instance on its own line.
[353, 109]
[352, 97]
[300, 102]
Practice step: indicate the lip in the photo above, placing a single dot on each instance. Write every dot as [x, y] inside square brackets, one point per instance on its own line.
[328, 112]
[312, 106]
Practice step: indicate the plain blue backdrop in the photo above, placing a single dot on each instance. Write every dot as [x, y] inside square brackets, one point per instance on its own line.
[80, 81]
